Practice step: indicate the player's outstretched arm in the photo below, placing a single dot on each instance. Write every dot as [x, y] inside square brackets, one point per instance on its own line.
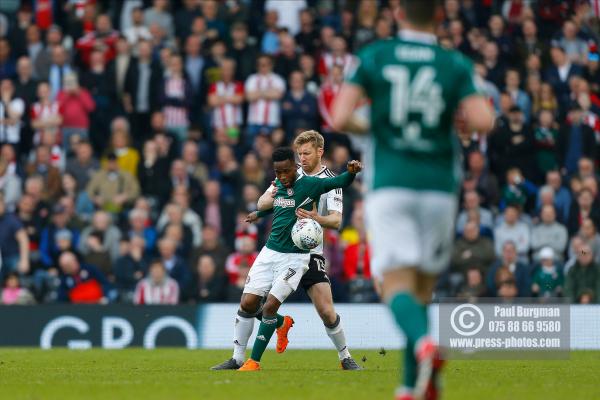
[256, 215]
[324, 185]
[344, 119]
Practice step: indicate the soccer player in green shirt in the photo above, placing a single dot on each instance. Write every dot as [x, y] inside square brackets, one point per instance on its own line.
[416, 89]
[280, 265]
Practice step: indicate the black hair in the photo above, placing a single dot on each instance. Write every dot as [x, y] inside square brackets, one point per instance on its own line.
[283, 154]
[420, 12]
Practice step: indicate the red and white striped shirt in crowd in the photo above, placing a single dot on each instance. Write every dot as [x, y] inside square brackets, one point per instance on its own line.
[325, 98]
[175, 117]
[147, 292]
[228, 115]
[264, 112]
[328, 60]
[44, 111]
[596, 8]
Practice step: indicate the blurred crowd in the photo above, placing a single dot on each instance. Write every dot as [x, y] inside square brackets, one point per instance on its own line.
[135, 136]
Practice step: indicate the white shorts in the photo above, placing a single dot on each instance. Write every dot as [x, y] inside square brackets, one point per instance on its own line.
[409, 228]
[276, 273]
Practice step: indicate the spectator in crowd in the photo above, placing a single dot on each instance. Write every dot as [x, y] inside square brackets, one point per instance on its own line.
[58, 69]
[7, 62]
[509, 268]
[587, 234]
[263, 91]
[530, 44]
[245, 254]
[242, 50]
[329, 90]
[42, 167]
[25, 84]
[13, 292]
[549, 234]
[213, 246]
[176, 96]
[207, 284]
[121, 70]
[512, 86]
[584, 207]
[46, 120]
[50, 236]
[130, 267]
[103, 38]
[137, 30]
[141, 92]
[10, 185]
[512, 146]
[575, 47]
[111, 189]
[356, 259]
[175, 266]
[127, 156]
[548, 280]
[105, 234]
[562, 196]
[12, 109]
[84, 165]
[515, 231]
[14, 242]
[518, 190]
[82, 283]
[582, 282]
[486, 183]
[336, 55]
[559, 74]
[472, 250]
[76, 104]
[575, 140]
[299, 107]
[153, 173]
[472, 203]
[190, 154]
[138, 219]
[226, 97]
[546, 137]
[157, 287]
[216, 210]
[473, 286]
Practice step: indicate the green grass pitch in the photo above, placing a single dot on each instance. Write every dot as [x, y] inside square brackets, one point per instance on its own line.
[296, 374]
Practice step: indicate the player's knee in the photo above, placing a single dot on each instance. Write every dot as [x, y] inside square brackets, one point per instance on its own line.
[270, 308]
[249, 304]
[327, 314]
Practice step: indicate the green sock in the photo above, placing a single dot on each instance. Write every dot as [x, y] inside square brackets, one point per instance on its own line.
[410, 366]
[265, 331]
[279, 319]
[411, 317]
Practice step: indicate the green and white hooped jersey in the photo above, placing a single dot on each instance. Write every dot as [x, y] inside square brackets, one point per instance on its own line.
[415, 88]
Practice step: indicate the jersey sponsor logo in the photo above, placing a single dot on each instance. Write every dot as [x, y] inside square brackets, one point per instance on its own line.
[291, 272]
[290, 192]
[284, 203]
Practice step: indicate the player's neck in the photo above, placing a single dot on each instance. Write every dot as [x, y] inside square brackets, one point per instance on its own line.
[420, 33]
[315, 170]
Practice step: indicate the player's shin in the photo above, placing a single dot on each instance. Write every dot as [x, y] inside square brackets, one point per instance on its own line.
[265, 331]
[411, 317]
[335, 332]
[244, 324]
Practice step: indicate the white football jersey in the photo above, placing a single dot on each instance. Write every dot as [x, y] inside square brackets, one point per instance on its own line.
[330, 201]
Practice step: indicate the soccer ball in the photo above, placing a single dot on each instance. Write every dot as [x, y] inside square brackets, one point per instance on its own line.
[307, 234]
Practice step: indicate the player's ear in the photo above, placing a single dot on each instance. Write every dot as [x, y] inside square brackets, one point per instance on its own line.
[320, 151]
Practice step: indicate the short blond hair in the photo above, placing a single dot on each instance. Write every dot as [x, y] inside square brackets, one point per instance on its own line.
[313, 137]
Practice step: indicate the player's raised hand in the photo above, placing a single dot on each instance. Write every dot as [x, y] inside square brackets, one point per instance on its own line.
[252, 217]
[354, 166]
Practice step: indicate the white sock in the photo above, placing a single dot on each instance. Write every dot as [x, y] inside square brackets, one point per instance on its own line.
[241, 334]
[337, 336]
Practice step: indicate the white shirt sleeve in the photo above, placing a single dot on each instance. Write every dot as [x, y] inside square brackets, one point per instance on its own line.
[335, 201]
